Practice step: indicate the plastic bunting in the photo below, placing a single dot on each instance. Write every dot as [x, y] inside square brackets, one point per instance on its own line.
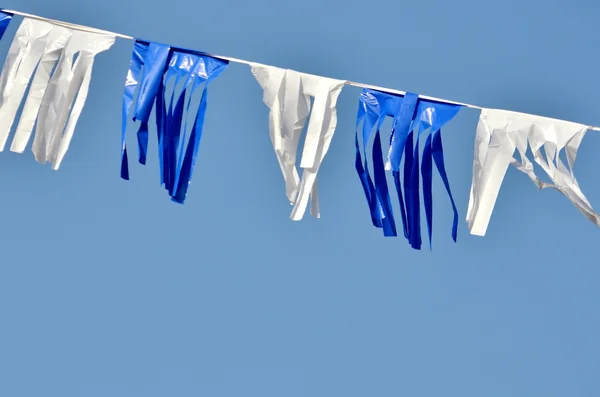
[499, 133]
[5, 19]
[47, 74]
[411, 118]
[156, 66]
[287, 94]
[46, 52]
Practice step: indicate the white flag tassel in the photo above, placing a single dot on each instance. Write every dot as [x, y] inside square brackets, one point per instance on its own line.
[287, 94]
[499, 133]
[58, 62]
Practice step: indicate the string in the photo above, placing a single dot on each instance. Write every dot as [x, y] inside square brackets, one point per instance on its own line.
[242, 61]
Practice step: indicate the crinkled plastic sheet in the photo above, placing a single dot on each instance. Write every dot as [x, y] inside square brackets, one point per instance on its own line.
[499, 133]
[5, 19]
[287, 94]
[411, 118]
[153, 66]
[45, 53]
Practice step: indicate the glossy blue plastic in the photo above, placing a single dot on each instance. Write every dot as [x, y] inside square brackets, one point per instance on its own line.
[154, 67]
[5, 19]
[412, 117]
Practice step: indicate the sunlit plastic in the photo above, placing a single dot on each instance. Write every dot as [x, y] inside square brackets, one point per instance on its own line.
[60, 61]
[5, 19]
[153, 67]
[499, 133]
[287, 94]
[411, 118]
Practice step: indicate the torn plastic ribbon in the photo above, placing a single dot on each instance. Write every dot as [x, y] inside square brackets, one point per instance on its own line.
[411, 118]
[499, 133]
[46, 53]
[156, 66]
[5, 19]
[287, 94]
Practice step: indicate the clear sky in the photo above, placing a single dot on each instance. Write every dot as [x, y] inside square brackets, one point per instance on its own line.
[107, 288]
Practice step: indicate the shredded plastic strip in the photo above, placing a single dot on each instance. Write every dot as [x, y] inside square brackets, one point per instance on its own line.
[154, 67]
[412, 118]
[287, 94]
[58, 62]
[499, 133]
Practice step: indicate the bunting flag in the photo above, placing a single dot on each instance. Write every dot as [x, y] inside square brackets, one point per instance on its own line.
[287, 94]
[174, 73]
[5, 19]
[47, 73]
[411, 116]
[499, 133]
[60, 61]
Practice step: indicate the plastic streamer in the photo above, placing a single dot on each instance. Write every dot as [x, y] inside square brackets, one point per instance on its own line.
[411, 118]
[153, 67]
[287, 94]
[5, 19]
[499, 133]
[60, 61]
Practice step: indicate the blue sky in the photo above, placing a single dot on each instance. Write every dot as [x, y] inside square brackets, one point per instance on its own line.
[109, 288]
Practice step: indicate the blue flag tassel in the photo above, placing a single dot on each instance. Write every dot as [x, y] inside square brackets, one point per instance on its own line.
[411, 118]
[155, 67]
[5, 19]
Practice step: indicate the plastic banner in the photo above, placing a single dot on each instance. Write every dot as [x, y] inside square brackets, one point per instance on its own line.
[411, 117]
[499, 133]
[5, 19]
[167, 79]
[287, 94]
[60, 61]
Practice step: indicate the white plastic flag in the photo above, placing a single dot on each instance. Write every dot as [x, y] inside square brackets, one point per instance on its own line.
[59, 60]
[499, 132]
[288, 94]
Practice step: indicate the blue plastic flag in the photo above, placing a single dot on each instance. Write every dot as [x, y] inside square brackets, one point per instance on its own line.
[412, 117]
[5, 19]
[167, 79]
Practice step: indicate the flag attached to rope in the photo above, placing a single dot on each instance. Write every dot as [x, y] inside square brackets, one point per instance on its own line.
[58, 62]
[411, 117]
[288, 94]
[499, 133]
[168, 78]
[5, 19]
